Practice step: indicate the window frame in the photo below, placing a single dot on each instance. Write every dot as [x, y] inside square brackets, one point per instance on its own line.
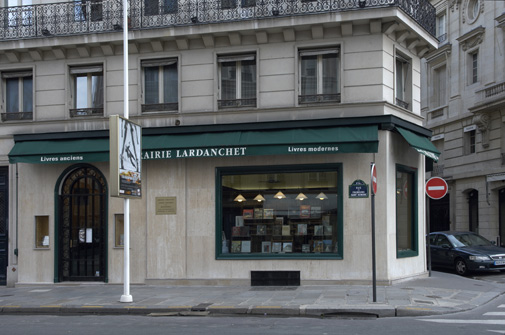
[267, 170]
[439, 96]
[24, 110]
[239, 100]
[473, 67]
[403, 81]
[321, 96]
[441, 21]
[161, 105]
[414, 224]
[88, 72]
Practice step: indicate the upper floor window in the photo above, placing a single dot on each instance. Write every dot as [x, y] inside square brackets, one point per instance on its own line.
[473, 69]
[237, 77]
[160, 85]
[18, 95]
[229, 4]
[442, 27]
[403, 81]
[88, 10]
[88, 90]
[319, 76]
[19, 13]
[469, 139]
[157, 7]
[439, 86]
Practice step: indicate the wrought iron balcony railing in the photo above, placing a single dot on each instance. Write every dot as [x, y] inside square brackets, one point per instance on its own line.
[98, 111]
[103, 16]
[17, 116]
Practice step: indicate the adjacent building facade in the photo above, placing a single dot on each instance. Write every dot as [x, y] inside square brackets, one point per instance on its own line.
[464, 106]
[260, 121]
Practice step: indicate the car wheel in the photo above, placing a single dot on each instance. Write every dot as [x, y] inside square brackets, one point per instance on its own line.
[460, 267]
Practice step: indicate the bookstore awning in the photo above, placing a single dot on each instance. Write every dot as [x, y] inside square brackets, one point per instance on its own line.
[320, 140]
[258, 142]
[60, 151]
[420, 143]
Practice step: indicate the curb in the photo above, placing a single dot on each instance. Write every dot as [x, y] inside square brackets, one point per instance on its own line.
[301, 311]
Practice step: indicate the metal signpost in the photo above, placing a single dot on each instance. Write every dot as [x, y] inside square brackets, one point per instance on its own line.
[436, 188]
[373, 182]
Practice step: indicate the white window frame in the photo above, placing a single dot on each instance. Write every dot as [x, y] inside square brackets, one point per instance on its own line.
[319, 53]
[403, 81]
[238, 59]
[160, 64]
[88, 72]
[20, 77]
[439, 96]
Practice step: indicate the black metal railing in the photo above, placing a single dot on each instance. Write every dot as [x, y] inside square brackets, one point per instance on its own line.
[79, 112]
[316, 98]
[102, 16]
[165, 107]
[17, 116]
[402, 103]
[236, 103]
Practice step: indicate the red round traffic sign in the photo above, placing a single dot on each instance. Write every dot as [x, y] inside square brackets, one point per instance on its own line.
[373, 175]
[436, 188]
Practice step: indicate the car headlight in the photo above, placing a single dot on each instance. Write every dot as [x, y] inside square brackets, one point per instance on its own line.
[479, 258]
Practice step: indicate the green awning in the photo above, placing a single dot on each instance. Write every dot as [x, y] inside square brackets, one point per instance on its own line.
[422, 144]
[60, 151]
[258, 142]
[206, 144]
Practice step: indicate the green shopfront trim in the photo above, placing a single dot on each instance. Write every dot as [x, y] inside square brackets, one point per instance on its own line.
[283, 227]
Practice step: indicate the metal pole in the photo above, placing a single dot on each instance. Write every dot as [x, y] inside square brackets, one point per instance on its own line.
[374, 272]
[126, 297]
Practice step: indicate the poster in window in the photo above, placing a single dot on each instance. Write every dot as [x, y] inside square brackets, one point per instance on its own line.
[287, 246]
[236, 246]
[248, 213]
[305, 211]
[266, 246]
[246, 246]
[268, 213]
[276, 247]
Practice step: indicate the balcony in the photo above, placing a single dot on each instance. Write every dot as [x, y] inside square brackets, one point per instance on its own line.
[83, 112]
[105, 16]
[489, 98]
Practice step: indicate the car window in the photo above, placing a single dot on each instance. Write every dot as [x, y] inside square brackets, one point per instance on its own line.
[433, 238]
[443, 240]
[469, 240]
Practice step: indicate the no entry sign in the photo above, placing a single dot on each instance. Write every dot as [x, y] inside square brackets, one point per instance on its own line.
[373, 175]
[436, 188]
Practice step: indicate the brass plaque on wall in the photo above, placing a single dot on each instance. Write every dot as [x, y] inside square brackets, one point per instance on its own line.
[166, 205]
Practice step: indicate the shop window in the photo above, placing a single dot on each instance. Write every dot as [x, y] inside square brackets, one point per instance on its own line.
[160, 85]
[119, 230]
[279, 212]
[18, 95]
[319, 76]
[237, 76]
[406, 212]
[42, 231]
[88, 90]
[403, 81]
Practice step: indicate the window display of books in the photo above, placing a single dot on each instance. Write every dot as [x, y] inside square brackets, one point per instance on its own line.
[303, 229]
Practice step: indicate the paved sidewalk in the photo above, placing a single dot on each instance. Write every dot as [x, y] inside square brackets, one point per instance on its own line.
[442, 293]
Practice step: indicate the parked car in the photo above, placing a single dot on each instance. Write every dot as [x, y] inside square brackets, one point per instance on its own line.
[465, 251]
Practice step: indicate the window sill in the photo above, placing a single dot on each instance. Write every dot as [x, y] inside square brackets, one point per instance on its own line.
[406, 253]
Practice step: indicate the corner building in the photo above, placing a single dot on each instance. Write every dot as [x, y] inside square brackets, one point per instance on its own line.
[260, 120]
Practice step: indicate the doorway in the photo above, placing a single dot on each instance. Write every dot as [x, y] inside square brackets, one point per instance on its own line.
[82, 226]
[440, 214]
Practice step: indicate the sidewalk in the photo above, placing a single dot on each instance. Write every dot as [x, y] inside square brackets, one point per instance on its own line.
[442, 293]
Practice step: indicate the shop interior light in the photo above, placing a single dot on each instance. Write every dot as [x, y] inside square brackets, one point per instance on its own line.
[239, 198]
[259, 198]
[301, 197]
[280, 195]
[322, 196]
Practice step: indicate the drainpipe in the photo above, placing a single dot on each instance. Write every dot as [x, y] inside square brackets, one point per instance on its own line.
[17, 212]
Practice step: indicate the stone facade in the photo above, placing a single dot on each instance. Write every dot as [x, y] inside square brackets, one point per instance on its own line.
[181, 248]
[464, 106]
